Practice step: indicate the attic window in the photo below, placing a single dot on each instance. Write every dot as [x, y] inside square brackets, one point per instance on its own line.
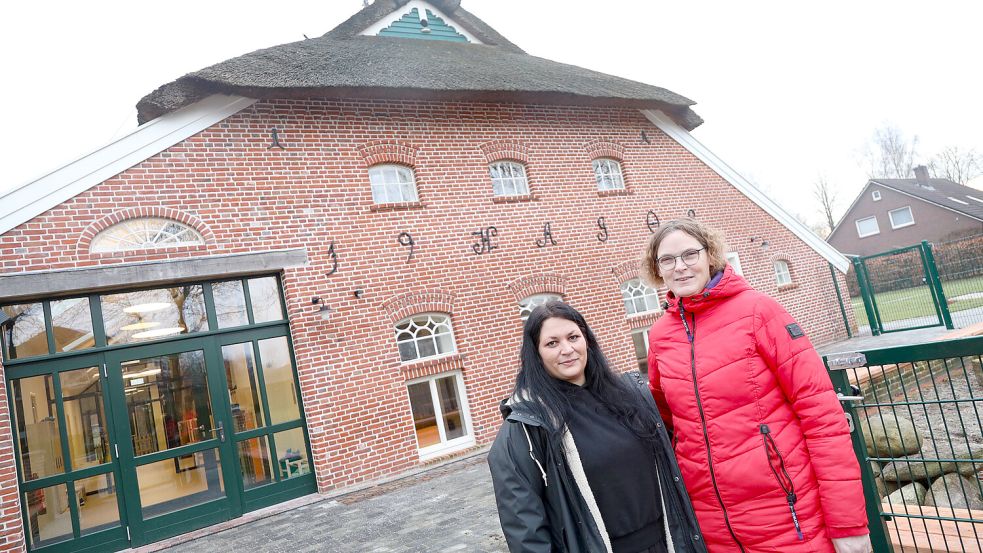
[418, 19]
[958, 201]
[145, 233]
[876, 195]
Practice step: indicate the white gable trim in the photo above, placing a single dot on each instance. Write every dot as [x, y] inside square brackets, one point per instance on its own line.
[686, 140]
[34, 198]
[839, 224]
[422, 6]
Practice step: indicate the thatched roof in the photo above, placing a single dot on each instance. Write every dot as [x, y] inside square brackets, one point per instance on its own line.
[343, 64]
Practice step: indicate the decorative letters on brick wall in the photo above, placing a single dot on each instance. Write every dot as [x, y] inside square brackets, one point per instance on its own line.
[547, 237]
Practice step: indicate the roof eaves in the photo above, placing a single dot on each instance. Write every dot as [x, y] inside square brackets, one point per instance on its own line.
[690, 143]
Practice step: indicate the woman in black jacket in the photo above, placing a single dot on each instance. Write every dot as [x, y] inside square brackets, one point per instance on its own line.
[583, 463]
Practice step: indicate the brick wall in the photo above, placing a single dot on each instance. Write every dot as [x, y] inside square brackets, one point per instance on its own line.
[246, 197]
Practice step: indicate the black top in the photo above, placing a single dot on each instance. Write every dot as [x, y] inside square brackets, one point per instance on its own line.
[621, 470]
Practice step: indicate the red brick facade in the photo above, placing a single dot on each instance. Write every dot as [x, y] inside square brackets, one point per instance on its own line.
[243, 196]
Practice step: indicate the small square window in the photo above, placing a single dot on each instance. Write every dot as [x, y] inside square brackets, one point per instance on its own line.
[867, 227]
[440, 415]
[392, 184]
[901, 217]
[607, 173]
[876, 195]
[509, 179]
[782, 274]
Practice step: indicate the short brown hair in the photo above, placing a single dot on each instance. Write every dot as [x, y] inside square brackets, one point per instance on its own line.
[708, 237]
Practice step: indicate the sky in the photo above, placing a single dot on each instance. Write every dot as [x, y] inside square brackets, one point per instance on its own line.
[790, 91]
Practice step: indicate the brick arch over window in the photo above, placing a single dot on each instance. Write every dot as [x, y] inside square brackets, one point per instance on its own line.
[411, 303]
[388, 151]
[90, 232]
[538, 284]
[627, 270]
[498, 150]
[603, 148]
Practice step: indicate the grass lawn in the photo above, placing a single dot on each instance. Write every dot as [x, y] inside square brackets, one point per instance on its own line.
[917, 302]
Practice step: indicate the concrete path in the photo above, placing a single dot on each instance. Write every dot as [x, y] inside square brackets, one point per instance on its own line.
[447, 509]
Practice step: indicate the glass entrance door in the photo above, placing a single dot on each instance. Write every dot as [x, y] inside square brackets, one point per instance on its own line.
[175, 455]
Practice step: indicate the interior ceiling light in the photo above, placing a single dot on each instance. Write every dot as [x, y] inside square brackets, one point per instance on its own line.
[146, 307]
[158, 332]
[140, 326]
[142, 374]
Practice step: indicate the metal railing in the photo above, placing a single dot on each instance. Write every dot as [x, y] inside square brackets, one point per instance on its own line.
[915, 415]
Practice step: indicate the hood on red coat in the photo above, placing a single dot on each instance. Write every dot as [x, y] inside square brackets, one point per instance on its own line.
[730, 285]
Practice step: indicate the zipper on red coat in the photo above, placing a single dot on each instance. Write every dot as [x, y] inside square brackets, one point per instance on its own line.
[691, 336]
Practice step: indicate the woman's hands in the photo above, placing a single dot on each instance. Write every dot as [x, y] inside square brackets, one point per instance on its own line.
[852, 544]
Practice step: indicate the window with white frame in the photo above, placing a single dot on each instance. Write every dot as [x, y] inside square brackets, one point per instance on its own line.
[875, 195]
[440, 416]
[782, 274]
[639, 298]
[527, 304]
[509, 178]
[392, 184]
[640, 337]
[145, 233]
[734, 261]
[867, 227]
[424, 335]
[901, 217]
[607, 173]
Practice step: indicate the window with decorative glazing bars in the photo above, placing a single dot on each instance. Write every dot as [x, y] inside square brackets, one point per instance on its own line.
[638, 297]
[527, 304]
[145, 233]
[425, 335]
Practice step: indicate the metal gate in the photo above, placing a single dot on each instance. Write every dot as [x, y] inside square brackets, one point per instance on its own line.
[915, 417]
[901, 290]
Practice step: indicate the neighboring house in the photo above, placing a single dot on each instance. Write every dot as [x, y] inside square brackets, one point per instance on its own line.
[308, 268]
[895, 213]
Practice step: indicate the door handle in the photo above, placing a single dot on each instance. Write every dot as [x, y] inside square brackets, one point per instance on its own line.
[220, 428]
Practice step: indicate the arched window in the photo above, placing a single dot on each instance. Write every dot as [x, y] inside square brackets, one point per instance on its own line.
[424, 335]
[527, 304]
[509, 178]
[638, 297]
[392, 184]
[145, 233]
[607, 173]
[782, 274]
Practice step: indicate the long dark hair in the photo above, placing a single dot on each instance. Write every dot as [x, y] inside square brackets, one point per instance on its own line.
[547, 397]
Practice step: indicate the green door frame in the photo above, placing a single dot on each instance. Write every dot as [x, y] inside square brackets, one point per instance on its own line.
[143, 531]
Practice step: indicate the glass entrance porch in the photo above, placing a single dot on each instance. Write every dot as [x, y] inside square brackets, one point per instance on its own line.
[141, 415]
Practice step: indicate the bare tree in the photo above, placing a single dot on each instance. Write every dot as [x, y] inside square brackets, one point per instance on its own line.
[891, 154]
[823, 191]
[956, 164]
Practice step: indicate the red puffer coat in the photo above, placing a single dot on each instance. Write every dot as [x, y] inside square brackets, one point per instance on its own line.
[756, 423]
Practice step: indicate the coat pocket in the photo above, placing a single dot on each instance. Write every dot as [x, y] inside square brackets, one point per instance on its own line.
[776, 464]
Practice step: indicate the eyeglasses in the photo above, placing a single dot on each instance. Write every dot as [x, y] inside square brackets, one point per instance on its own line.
[689, 258]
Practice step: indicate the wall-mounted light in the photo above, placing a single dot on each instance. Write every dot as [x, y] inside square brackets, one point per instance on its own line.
[761, 242]
[323, 310]
[359, 293]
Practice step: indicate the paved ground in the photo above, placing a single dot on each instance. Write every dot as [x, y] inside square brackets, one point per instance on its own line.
[448, 509]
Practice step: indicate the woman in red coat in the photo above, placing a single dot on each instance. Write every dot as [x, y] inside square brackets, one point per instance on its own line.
[759, 434]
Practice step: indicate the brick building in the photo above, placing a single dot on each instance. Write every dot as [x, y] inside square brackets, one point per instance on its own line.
[307, 269]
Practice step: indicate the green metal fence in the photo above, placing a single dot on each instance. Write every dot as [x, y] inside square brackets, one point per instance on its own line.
[899, 290]
[915, 414]
[960, 268]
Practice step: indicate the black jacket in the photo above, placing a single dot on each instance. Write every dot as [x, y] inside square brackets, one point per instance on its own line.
[543, 509]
